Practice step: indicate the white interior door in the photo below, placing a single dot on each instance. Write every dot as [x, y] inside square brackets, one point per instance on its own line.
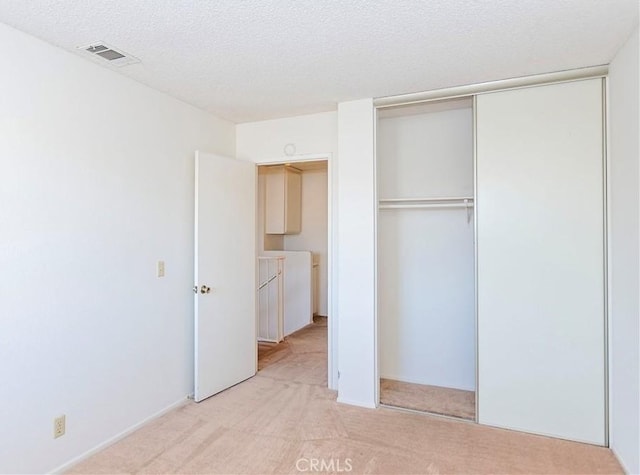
[225, 273]
[540, 238]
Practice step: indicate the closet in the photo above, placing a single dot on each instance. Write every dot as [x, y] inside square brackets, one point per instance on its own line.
[514, 311]
[426, 257]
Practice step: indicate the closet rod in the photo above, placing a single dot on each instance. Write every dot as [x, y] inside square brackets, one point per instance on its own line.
[428, 200]
[426, 205]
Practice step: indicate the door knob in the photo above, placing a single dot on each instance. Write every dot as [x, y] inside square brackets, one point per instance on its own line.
[204, 289]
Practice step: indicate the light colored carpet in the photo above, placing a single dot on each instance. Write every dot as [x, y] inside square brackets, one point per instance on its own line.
[434, 399]
[286, 416]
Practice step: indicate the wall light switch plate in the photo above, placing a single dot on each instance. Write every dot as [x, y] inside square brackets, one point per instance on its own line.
[160, 269]
[59, 426]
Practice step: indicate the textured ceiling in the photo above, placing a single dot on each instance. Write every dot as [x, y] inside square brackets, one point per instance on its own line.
[258, 59]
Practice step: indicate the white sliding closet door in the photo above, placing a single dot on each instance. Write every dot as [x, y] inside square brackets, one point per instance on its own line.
[540, 241]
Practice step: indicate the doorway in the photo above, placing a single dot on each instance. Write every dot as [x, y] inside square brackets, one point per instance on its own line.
[293, 242]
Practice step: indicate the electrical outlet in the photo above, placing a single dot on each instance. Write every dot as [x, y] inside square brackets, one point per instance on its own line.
[59, 426]
[160, 269]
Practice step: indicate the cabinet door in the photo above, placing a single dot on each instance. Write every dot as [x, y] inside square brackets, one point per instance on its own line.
[283, 207]
[274, 201]
[540, 261]
[293, 205]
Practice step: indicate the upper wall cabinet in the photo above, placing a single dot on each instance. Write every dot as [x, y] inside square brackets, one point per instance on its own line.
[283, 200]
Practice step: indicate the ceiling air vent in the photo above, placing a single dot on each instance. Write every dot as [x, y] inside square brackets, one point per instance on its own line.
[113, 56]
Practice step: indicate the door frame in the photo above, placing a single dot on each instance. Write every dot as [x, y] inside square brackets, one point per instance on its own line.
[332, 239]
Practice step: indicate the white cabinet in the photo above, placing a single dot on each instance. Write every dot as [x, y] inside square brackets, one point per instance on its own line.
[283, 200]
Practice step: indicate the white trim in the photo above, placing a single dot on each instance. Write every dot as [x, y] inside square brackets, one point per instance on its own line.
[376, 329]
[306, 157]
[474, 127]
[332, 240]
[608, 273]
[333, 322]
[620, 461]
[606, 253]
[492, 86]
[112, 440]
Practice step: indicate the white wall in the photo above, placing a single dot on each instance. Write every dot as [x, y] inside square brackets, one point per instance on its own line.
[426, 315]
[264, 141]
[356, 244]
[624, 110]
[313, 236]
[96, 184]
[426, 154]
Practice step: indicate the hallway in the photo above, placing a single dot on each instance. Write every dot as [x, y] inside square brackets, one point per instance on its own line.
[311, 342]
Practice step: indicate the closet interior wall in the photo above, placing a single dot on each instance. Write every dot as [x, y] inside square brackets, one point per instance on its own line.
[426, 307]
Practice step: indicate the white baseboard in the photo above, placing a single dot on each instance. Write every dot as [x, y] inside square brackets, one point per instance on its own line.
[67, 465]
[620, 461]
